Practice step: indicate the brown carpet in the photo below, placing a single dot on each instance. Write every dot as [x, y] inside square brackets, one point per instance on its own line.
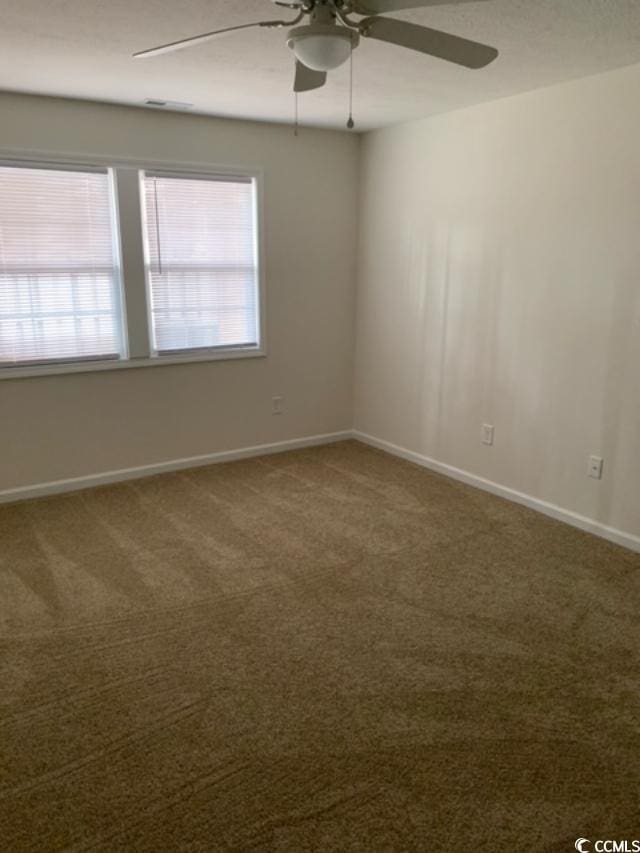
[325, 650]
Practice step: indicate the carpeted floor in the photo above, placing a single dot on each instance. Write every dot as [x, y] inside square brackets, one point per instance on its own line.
[325, 650]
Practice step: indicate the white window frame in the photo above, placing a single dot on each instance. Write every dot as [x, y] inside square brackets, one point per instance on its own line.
[129, 238]
[200, 176]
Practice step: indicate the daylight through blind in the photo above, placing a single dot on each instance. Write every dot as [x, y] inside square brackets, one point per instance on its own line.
[202, 265]
[59, 279]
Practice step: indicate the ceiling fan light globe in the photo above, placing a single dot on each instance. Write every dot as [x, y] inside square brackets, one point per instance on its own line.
[321, 48]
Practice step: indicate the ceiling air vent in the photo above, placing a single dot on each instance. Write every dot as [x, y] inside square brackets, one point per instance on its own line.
[167, 105]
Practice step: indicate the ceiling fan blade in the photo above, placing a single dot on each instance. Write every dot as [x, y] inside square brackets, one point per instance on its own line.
[178, 45]
[471, 54]
[379, 7]
[307, 79]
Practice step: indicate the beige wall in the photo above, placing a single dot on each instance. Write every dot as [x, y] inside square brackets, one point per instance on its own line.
[499, 282]
[67, 426]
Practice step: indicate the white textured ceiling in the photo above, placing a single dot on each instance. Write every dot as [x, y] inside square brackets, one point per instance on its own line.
[82, 48]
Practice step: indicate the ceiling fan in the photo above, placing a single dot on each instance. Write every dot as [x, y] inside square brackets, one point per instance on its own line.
[329, 38]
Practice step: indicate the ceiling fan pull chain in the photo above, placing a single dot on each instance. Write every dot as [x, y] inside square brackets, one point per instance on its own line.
[351, 124]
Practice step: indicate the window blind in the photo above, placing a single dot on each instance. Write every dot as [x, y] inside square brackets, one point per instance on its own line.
[201, 262]
[59, 276]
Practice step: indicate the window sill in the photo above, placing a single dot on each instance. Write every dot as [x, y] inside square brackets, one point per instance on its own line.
[126, 364]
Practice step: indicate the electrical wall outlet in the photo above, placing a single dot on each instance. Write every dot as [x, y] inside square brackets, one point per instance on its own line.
[595, 467]
[488, 432]
[277, 405]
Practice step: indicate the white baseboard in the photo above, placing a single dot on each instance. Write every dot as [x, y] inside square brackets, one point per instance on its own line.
[627, 540]
[75, 484]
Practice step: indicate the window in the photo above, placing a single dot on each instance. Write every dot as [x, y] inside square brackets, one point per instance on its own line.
[108, 266]
[201, 262]
[59, 275]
